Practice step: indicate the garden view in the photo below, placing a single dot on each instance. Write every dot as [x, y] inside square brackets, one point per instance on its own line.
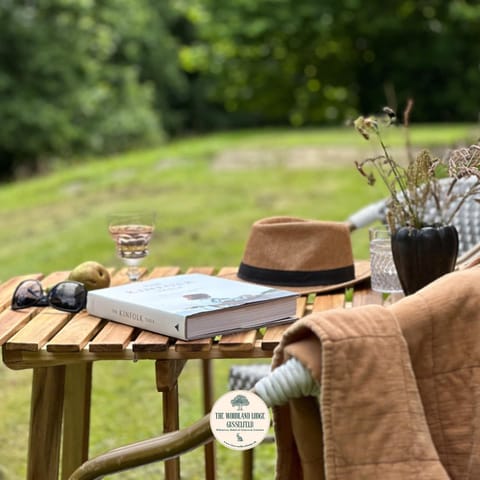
[214, 114]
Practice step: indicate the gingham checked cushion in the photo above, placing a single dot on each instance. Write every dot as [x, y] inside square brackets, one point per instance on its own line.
[244, 377]
[467, 220]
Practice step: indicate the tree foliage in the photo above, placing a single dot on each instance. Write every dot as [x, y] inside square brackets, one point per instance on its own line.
[308, 62]
[65, 85]
[81, 76]
[275, 59]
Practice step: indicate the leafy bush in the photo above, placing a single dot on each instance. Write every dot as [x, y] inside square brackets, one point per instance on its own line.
[63, 90]
[311, 62]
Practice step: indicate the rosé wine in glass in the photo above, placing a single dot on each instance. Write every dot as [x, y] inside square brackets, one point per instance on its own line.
[132, 233]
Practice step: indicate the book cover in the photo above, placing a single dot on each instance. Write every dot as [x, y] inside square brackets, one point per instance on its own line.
[193, 305]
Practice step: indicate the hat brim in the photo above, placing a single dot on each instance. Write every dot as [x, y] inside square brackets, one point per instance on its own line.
[362, 273]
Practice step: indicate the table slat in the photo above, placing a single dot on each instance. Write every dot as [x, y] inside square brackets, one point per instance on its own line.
[120, 277]
[166, 271]
[366, 297]
[229, 273]
[329, 301]
[301, 305]
[241, 341]
[76, 334]
[199, 345]
[272, 336]
[112, 337]
[12, 321]
[41, 328]
[54, 277]
[204, 270]
[150, 342]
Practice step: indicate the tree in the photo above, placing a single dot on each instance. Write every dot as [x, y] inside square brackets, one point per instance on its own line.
[421, 50]
[310, 62]
[240, 401]
[275, 60]
[62, 90]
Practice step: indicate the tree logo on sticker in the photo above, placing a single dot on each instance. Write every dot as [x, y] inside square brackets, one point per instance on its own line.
[240, 420]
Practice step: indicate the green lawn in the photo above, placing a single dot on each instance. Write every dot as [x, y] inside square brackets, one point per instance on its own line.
[205, 208]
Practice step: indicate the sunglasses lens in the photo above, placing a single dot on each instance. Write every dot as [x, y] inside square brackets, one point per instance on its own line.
[27, 294]
[68, 296]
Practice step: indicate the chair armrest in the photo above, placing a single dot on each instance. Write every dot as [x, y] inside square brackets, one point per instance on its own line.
[161, 448]
[368, 215]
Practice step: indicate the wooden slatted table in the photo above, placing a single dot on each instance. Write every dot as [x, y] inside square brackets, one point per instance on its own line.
[61, 349]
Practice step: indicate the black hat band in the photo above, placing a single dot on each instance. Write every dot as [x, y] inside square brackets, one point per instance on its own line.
[296, 278]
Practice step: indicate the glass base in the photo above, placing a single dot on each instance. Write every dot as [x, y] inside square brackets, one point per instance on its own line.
[133, 273]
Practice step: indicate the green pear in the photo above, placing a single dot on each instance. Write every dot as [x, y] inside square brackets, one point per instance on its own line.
[92, 274]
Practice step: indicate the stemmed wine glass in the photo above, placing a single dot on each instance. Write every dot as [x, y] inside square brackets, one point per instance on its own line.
[132, 232]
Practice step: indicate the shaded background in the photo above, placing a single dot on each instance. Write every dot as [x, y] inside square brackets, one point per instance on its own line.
[80, 77]
[112, 98]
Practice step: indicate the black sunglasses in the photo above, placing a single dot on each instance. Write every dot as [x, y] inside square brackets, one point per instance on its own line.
[68, 296]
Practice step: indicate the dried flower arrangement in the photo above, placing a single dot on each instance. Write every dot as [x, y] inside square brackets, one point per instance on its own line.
[425, 181]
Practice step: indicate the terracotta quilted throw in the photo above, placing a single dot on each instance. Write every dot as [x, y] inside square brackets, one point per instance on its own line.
[400, 389]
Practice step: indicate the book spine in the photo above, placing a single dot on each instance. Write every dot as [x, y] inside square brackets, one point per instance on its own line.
[146, 318]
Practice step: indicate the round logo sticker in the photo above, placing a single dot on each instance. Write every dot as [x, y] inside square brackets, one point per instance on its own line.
[240, 420]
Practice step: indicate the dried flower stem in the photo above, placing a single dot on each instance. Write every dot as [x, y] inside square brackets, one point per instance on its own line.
[415, 190]
[473, 190]
[406, 124]
[399, 175]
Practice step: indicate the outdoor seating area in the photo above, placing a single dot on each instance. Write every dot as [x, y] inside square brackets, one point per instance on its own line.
[335, 302]
[432, 328]
[61, 349]
[240, 242]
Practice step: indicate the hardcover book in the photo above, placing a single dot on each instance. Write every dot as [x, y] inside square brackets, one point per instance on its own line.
[191, 306]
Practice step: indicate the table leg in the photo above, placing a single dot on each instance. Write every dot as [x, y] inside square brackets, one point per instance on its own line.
[210, 469]
[171, 423]
[76, 417]
[45, 423]
[167, 372]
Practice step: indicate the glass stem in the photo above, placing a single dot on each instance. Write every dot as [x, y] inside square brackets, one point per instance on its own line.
[133, 273]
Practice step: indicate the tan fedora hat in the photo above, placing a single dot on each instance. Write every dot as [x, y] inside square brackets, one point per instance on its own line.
[301, 255]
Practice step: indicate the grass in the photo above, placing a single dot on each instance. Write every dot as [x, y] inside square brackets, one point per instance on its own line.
[204, 214]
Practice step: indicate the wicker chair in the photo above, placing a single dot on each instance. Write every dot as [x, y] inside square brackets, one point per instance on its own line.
[467, 222]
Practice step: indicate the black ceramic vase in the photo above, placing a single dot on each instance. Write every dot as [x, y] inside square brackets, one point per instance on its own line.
[424, 254]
